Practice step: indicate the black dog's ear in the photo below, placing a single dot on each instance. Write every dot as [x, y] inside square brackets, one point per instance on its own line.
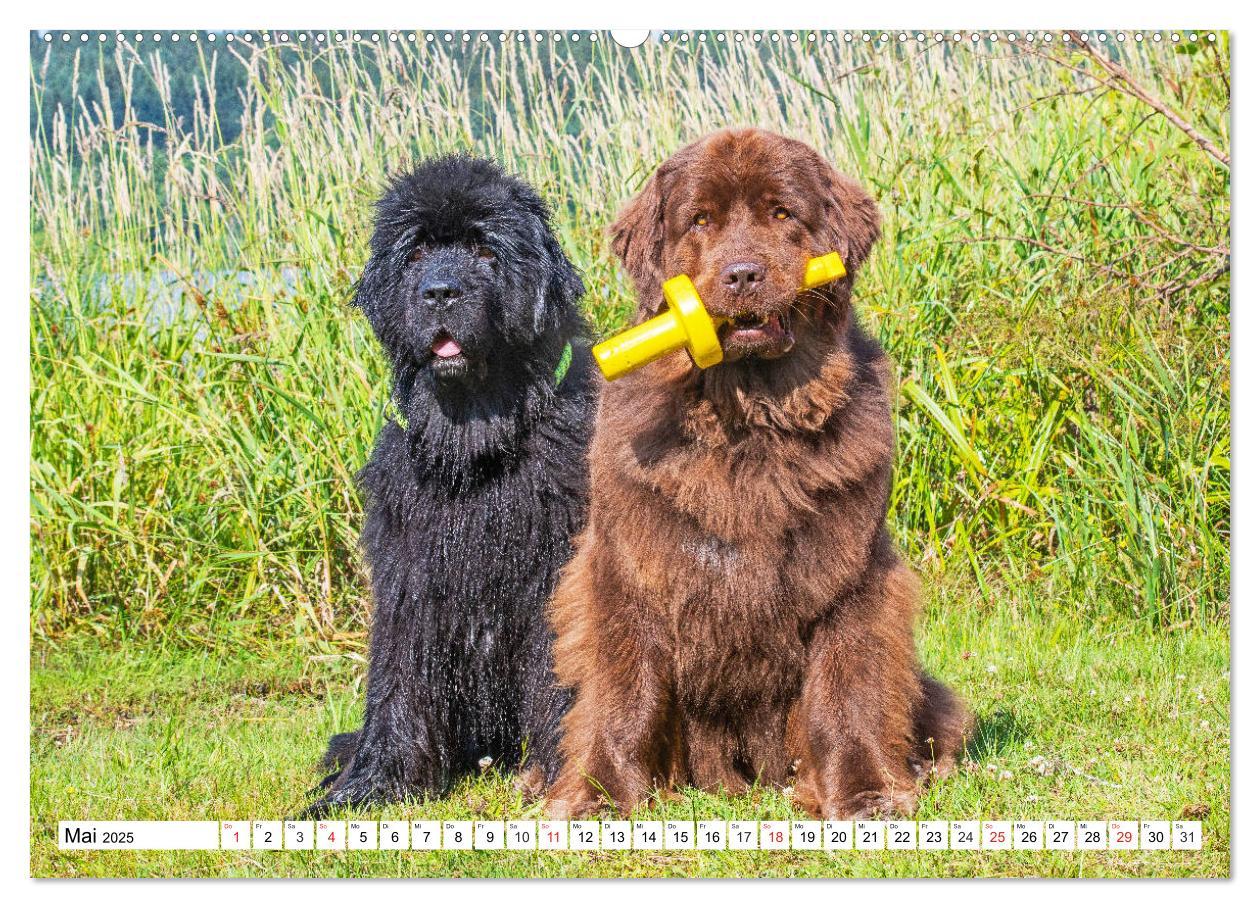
[375, 297]
[638, 236]
[851, 221]
[368, 290]
[556, 307]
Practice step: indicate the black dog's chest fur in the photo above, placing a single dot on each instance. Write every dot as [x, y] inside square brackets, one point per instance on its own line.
[447, 602]
[447, 552]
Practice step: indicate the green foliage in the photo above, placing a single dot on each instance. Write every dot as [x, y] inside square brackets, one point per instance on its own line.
[1050, 288]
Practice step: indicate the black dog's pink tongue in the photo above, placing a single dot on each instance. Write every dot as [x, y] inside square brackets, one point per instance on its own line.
[445, 347]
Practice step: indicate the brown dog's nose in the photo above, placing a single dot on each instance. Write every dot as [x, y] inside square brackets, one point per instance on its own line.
[741, 277]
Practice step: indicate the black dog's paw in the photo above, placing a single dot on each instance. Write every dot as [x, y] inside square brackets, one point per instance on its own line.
[353, 797]
[324, 783]
[340, 749]
[317, 810]
[366, 783]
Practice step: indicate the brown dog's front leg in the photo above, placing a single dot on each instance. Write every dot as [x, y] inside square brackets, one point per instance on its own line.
[853, 726]
[615, 746]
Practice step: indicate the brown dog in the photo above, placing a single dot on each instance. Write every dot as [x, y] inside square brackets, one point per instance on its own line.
[735, 607]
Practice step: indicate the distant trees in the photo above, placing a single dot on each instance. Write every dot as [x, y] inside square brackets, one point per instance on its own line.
[53, 64]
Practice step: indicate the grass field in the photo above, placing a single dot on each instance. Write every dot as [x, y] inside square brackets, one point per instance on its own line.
[1077, 721]
[1052, 285]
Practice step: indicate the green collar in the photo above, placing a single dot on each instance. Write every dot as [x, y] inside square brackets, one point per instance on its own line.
[566, 360]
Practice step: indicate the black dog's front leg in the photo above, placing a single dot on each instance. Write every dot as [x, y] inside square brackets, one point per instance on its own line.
[395, 756]
[543, 704]
[400, 750]
[391, 763]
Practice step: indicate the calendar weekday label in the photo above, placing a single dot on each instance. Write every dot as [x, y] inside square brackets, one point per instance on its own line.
[488, 835]
[1060, 835]
[426, 835]
[584, 835]
[342, 836]
[616, 835]
[742, 835]
[933, 835]
[838, 835]
[394, 835]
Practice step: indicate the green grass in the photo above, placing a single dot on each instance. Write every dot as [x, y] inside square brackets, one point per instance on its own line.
[1049, 286]
[1062, 412]
[172, 734]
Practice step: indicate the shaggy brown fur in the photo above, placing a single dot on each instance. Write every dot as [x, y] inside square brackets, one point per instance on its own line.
[736, 607]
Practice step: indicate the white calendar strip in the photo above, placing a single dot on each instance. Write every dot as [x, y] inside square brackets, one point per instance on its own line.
[637, 835]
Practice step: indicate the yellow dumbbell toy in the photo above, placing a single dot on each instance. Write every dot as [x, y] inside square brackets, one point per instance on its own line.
[687, 324]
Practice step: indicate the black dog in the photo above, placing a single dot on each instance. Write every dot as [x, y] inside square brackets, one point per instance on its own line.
[473, 497]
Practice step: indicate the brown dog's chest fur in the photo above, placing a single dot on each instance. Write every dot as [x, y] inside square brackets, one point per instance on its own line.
[734, 516]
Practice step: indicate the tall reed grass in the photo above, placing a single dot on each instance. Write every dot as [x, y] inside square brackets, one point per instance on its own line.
[1048, 284]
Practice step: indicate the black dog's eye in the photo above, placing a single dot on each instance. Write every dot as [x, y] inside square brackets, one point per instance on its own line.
[416, 254]
[701, 219]
[781, 213]
[485, 253]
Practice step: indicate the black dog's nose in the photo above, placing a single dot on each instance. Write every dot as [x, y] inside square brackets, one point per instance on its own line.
[440, 292]
[742, 277]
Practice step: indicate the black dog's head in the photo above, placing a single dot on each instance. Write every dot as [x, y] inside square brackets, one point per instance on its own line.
[467, 289]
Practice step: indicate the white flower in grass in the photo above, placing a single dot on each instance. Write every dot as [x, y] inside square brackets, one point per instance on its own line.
[1041, 765]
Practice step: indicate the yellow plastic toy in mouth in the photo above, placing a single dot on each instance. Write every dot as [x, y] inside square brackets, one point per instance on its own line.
[688, 324]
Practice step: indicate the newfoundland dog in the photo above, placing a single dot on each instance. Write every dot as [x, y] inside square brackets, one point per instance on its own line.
[473, 491]
[736, 609]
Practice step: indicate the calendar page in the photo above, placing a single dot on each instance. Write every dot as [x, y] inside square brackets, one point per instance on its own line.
[674, 453]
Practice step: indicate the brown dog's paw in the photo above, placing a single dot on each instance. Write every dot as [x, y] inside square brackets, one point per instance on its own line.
[867, 805]
[662, 796]
[927, 771]
[565, 809]
[571, 798]
[530, 782]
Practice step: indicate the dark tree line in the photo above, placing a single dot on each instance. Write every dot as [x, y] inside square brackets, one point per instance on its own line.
[53, 66]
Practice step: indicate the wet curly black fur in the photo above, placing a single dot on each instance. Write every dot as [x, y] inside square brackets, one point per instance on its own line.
[473, 494]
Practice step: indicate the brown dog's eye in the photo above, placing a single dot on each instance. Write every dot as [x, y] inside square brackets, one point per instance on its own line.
[485, 253]
[701, 220]
[781, 214]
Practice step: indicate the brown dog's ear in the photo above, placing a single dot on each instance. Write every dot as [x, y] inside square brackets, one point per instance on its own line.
[638, 237]
[852, 219]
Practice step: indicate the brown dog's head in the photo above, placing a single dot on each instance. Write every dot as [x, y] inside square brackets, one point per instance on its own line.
[741, 211]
